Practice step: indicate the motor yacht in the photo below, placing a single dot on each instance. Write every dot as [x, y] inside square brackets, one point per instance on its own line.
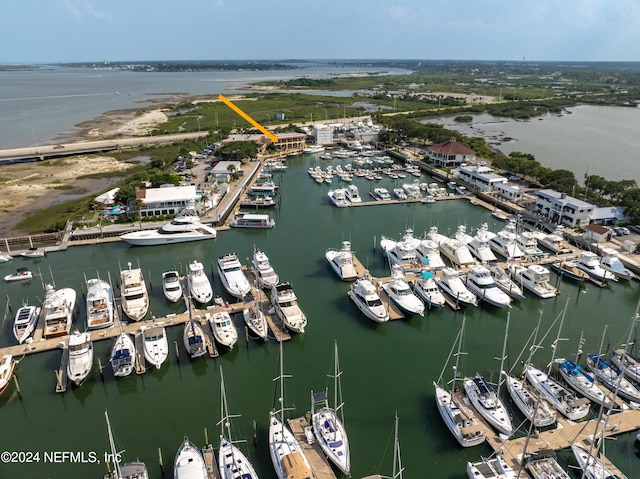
[529, 244]
[479, 245]
[363, 293]
[403, 252]
[313, 149]
[505, 283]
[584, 383]
[123, 354]
[80, 357]
[612, 379]
[481, 283]
[199, 284]
[504, 241]
[57, 311]
[285, 304]
[560, 398]
[381, 194]
[171, 287]
[427, 289]
[428, 249]
[232, 276]
[25, 322]
[224, 331]
[612, 263]
[456, 250]
[252, 220]
[569, 269]
[400, 293]
[452, 285]
[100, 304]
[352, 194]
[553, 243]
[189, 463]
[400, 194]
[341, 262]
[186, 226]
[155, 345]
[338, 197]
[193, 339]
[263, 271]
[590, 263]
[412, 190]
[535, 409]
[133, 293]
[488, 404]
[21, 274]
[535, 278]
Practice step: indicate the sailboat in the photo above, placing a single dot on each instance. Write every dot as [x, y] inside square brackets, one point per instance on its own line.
[491, 468]
[131, 470]
[287, 456]
[123, 355]
[328, 423]
[456, 415]
[189, 463]
[232, 463]
[397, 460]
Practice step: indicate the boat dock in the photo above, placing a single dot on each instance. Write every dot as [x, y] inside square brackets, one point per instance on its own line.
[319, 464]
[62, 378]
[209, 455]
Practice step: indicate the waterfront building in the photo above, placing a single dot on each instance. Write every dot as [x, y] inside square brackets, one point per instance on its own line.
[595, 233]
[481, 177]
[561, 208]
[322, 134]
[508, 191]
[450, 153]
[167, 200]
[290, 142]
[221, 171]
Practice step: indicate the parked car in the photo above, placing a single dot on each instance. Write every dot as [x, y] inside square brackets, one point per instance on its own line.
[621, 230]
[635, 228]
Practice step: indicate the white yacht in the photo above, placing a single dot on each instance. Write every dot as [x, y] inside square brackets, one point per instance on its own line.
[402, 252]
[529, 244]
[627, 364]
[232, 463]
[400, 194]
[224, 331]
[189, 463]
[535, 278]
[156, 346]
[591, 466]
[363, 293]
[412, 190]
[612, 263]
[400, 293]
[427, 289]
[232, 276]
[341, 262]
[352, 194]
[456, 248]
[535, 409]
[123, 354]
[171, 287]
[381, 194]
[428, 249]
[612, 379]
[562, 400]
[251, 220]
[314, 149]
[186, 226]
[328, 423]
[482, 284]
[584, 383]
[590, 263]
[492, 468]
[338, 197]
[479, 245]
[57, 311]
[7, 367]
[254, 318]
[25, 322]
[504, 241]
[287, 455]
[552, 242]
[286, 307]
[462, 425]
[199, 284]
[99, 304]
[80, 357]
[263, 271]
[133, 293]
[452, 285]
[488, 404]
[505, 283]
[193, 338]
[545, 466]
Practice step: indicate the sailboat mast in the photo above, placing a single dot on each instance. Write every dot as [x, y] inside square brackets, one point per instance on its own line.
[554, 346]
[504, 350]
[455, 368]
[397, 461]
[114, 454]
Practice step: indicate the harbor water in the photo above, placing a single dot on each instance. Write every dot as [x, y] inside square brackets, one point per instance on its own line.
[387, 368]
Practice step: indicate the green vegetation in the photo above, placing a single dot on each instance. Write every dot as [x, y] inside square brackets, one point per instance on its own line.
[463, 119]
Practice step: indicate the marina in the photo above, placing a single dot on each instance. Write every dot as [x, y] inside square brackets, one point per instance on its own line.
[405, 377]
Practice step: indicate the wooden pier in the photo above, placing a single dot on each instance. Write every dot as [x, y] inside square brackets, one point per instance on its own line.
[319, 464]
[62, 378]
[209, 455]
[141, 364]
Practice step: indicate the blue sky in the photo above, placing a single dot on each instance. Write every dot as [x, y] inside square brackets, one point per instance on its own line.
[127, 30]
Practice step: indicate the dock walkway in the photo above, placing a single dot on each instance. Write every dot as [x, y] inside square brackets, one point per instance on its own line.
[319, 464]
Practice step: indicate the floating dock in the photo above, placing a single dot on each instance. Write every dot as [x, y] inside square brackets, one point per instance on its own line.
[319, 464]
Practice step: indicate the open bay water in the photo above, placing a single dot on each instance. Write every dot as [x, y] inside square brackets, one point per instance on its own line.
[586, 139]
[387, 368]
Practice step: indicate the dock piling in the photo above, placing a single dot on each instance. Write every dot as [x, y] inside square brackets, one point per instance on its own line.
[101, 369]
[175, 343]
[15, 382]
[160, 461]
[255, 435]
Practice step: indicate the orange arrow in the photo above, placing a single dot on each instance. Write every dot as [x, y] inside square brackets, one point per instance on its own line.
[227, 102]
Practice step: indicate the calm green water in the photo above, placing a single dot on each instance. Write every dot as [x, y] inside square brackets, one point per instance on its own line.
[387, 368]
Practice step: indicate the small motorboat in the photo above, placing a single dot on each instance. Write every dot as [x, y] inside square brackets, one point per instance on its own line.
[25, 322]
[5, 257]
[171, 286]
[400, 293]
[7, 365]
[80, 357]
[569, 269]
[363, 293]
[34, 253]
[224, 331]
[156, 346]
[21, 274]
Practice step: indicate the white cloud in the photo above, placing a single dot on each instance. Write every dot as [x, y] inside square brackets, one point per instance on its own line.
[72, 9]
[97, 14]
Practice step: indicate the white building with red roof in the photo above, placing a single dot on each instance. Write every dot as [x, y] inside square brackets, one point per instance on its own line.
[450, 153]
